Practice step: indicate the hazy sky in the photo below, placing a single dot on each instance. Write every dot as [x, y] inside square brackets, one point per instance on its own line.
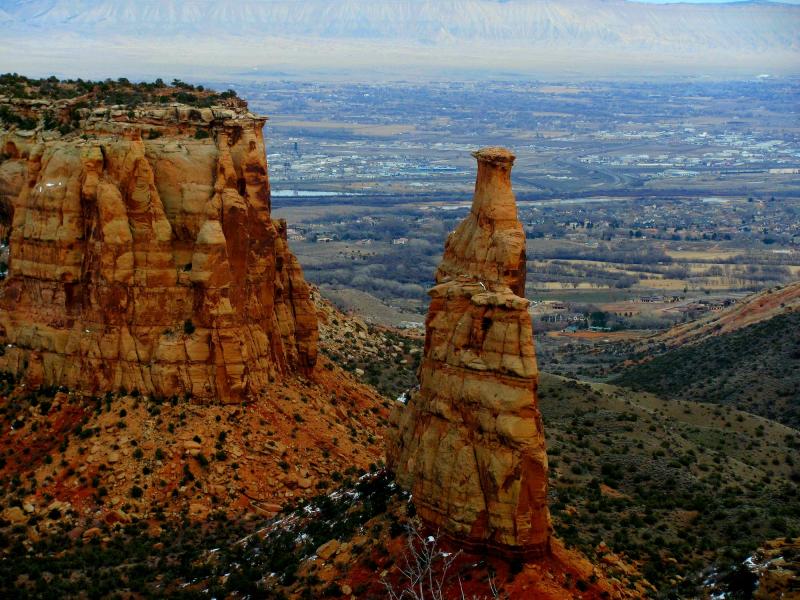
[709, 1]
[384, 38]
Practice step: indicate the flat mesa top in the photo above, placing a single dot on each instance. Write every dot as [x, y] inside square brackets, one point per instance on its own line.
[495, 154]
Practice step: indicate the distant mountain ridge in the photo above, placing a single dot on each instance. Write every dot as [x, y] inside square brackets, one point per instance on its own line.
[399, 31]
[610, 22]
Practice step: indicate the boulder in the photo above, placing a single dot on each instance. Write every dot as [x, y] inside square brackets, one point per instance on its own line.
[199, 511]
[92, 532]
[328, 549]
[15, 514]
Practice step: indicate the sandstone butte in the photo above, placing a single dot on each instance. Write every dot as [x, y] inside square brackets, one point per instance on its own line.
[143, 257]
[469, 444]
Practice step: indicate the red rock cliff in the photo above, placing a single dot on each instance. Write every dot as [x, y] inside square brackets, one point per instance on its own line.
[143, 256]
[470, 443]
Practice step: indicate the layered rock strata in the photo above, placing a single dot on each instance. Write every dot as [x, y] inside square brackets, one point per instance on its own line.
[143, 256]
[470, 443]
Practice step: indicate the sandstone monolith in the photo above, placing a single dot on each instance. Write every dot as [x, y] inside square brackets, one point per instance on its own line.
[143, 257]
[470, 442]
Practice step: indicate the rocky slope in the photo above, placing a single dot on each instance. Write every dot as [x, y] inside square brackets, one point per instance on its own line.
[143, 256]
[353, 543]
[122, 458]
[382, 357]
[753, 309]
[470, 442]
[777, 566]
[159, 344]
[637, 484]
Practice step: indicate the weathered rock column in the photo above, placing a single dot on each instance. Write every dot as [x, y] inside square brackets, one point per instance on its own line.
[470, 443]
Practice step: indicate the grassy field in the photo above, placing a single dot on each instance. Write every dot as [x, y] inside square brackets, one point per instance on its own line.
[579, 296]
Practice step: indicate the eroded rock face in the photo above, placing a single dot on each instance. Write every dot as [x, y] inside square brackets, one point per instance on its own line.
[143, 256]
[470, 443]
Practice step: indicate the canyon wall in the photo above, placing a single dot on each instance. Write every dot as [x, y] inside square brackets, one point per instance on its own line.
[470, 442]
[142, 256]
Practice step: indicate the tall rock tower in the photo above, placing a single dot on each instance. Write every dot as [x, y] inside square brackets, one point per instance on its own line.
[470, 443]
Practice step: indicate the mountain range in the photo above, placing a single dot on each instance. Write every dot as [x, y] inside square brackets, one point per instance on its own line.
[530, 36]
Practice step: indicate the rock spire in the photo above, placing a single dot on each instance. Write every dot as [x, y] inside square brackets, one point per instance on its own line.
[470, 442]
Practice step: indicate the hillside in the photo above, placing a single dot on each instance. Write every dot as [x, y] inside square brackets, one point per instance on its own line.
[429, 33]
[675, 484]
[115, 457]
[361, 19]
[743, 356]
[332, 546]
[384, 358]
[678, 487]
[614, 454]
[756, 25]
[640, 486]
[753, 309]
[753, 368]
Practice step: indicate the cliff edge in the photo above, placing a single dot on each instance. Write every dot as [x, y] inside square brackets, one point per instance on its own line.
[142, 255]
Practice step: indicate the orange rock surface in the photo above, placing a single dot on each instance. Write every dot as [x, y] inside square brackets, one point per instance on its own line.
[143, 256]
[777, 565]
[470, 443]
[296, 441]
[299, 439]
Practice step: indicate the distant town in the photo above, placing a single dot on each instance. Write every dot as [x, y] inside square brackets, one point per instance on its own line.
[691, 136]
[647, 204]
